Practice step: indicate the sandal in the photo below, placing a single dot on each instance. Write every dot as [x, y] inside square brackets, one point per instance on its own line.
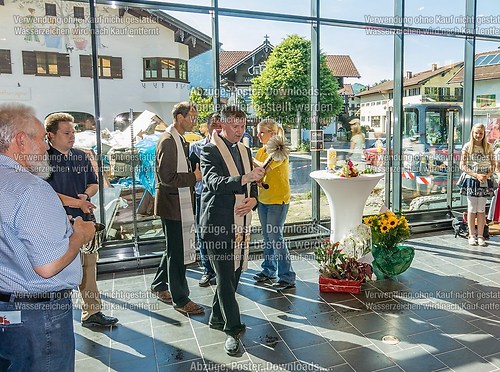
[190, 308]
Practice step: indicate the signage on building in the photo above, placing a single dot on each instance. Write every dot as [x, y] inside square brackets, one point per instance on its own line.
[317, 140]
[15, 94]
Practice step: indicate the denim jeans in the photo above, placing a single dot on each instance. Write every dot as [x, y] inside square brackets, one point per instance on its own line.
[43, 341]
[276, 256]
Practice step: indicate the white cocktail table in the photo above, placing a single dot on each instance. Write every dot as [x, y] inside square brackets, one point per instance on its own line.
[346, 198]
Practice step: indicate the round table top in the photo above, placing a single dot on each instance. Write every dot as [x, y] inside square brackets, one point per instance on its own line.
[326, 175]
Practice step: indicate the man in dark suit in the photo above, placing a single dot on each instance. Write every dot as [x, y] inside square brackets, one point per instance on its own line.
[228, 198]
[174, 203]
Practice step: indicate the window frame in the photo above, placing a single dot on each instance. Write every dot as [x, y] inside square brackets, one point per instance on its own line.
[115, 66]
[79, 12]
[5, 61]
[50, 9]
[180, 73]
[32, 60]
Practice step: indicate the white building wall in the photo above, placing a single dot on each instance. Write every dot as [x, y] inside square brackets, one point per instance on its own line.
[485, 87]
[118, 39]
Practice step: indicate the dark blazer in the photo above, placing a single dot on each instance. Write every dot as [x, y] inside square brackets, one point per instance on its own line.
[168, 180]
[218, 195]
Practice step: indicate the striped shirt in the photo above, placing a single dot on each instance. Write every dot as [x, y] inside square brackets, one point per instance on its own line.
[34, 231]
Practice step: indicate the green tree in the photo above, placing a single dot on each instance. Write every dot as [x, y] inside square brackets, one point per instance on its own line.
[204, 104]
[282, 91]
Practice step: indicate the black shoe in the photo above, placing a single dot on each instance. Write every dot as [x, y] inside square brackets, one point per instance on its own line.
[282, 285]
[259, 278]
[99, 320]
[220, 327]
[205, 279]
[217, 326]
[232, 345]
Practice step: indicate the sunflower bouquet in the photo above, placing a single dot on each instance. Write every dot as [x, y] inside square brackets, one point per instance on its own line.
[388, 229]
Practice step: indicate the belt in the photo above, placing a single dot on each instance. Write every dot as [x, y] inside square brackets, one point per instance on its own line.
[36, 297]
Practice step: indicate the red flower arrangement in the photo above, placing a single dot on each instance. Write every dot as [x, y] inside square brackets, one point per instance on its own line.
[349, 170]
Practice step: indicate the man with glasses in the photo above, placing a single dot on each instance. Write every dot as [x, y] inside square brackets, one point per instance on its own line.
[39, 252]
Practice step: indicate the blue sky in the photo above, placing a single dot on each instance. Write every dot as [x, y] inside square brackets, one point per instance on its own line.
[372, 54]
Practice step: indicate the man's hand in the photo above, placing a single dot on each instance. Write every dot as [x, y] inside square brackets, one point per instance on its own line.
[255, 175]
[84, 229]
[197, 172]
[245, 207]
[84, 204]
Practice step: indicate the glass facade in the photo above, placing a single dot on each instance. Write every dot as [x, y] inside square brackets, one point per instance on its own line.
[402, 68]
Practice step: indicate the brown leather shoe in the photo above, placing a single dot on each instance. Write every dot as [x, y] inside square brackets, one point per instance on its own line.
[163, 296]
[190, 308]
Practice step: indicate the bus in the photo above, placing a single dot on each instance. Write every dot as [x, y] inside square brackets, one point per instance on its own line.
[425, 140]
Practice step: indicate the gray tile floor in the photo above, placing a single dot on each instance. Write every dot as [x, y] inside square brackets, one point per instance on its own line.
[445, 311]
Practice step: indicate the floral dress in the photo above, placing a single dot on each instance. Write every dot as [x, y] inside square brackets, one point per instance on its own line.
[480, 163]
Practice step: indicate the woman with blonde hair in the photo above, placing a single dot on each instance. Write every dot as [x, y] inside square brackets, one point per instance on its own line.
[478, 165]
[273, 208]
[357, 140]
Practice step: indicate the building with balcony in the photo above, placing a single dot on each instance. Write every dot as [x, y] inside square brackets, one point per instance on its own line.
[430, 86]
[486, 87]
[142, 62]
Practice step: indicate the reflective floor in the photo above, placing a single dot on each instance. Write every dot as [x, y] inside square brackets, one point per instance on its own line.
[444, 311]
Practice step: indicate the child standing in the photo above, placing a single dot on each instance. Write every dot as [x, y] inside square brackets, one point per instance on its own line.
[478, 164]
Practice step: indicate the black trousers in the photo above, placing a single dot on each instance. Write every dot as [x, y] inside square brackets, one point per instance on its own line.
[172, 270]
[225, 309]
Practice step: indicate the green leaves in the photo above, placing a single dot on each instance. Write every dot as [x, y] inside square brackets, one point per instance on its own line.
[283, 89]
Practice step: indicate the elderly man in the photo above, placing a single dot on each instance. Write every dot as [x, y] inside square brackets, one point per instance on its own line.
[228, 197]
[39, 252]
[175, 182]
[75, 182]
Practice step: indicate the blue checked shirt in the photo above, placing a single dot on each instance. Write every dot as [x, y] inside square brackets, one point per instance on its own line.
[34, 231]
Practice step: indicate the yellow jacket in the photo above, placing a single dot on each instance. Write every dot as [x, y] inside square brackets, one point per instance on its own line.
[277, 179]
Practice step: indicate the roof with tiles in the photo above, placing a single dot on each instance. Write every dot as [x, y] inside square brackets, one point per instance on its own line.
[342, 65]
[487, 72]
[415, 79]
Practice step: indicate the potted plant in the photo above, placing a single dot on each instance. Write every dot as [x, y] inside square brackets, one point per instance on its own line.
[390, 257]
[339, 272]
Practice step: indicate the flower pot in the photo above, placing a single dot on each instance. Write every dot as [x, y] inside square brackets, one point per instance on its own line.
[390, 261]
[339, 285]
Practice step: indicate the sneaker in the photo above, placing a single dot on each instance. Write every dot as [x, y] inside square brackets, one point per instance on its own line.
[259, 278]
[232, 345]
[480, 241]
[99, 320]
[472, 240]
[282, 285]
[205, 279]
